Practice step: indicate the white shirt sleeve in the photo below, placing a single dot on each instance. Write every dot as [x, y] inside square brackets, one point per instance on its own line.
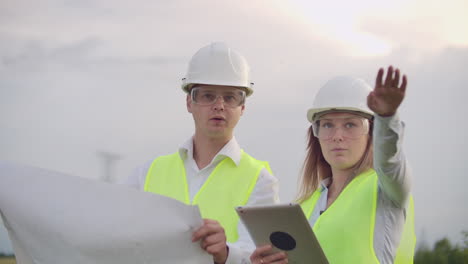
[138, 177]
[389, 159]
[265, 192]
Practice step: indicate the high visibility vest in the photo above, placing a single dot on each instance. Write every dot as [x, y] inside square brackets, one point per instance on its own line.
[346, 229]
[227, 187]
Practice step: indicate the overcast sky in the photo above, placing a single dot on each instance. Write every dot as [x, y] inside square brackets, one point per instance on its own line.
[79, 78]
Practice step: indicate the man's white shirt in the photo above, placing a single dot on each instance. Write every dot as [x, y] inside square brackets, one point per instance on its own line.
[264, 192]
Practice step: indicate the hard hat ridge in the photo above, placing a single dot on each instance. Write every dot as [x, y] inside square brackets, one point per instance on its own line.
[342, 93]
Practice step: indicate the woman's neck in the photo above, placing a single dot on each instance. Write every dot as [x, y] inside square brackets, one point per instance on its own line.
[339, 180]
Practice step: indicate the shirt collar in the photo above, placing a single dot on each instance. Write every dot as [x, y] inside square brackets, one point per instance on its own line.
[231, 150]
[324, 184]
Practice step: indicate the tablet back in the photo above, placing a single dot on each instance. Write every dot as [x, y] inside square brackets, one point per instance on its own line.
[286, 228]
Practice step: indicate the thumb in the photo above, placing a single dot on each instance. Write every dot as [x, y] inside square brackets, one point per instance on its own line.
[371, 100]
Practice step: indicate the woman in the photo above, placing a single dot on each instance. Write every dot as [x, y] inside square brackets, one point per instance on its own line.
[355, 187]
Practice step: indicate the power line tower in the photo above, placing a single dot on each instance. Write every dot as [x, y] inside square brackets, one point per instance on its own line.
[108, 160]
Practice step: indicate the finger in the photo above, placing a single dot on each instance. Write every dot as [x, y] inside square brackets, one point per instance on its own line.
[378, 80]
[259, 252]
[396, 80]
[263, 250]
[215, 238]
[215, 248]
[275, 257]
[281, 261]
[403, 84]
[210, 221]
[388, 79]
[214, 245]
[207, 229]
[213, 226]
[370, 100]
[201, 233]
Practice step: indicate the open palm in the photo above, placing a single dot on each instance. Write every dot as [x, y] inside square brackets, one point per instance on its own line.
[387, 95]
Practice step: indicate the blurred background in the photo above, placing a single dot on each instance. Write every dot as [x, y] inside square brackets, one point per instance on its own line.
[92, 88]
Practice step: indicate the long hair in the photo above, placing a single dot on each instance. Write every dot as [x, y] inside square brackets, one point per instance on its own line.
[316, 168]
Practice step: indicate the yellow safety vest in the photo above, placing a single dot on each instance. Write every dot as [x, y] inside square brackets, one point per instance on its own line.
[346, 229]
[227, 187]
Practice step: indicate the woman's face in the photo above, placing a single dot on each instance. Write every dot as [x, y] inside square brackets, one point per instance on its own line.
[343, 138]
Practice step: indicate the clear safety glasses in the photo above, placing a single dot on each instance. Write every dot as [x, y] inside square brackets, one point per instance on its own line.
[208, 96]
[350, 127]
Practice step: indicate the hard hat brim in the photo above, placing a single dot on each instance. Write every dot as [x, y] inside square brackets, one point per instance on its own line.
[315, 112]
[187, 86]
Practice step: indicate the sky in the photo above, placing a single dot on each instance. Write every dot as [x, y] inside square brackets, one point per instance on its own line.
[82, 80]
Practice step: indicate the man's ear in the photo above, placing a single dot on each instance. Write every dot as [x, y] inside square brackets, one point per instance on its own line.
[242, 109]
[188, 100]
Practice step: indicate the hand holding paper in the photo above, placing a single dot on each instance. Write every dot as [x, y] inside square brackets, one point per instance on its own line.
[56, 218]
[213, 240]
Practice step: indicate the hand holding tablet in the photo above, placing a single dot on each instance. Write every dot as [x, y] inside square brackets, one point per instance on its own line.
[284, 227]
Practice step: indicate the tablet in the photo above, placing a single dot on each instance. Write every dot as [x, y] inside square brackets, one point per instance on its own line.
[286, 228]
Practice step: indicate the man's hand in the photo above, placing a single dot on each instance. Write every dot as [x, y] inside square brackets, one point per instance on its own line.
[212, 240]
[388, 95]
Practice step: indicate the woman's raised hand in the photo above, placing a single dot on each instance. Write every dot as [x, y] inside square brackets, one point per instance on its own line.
[388, 94]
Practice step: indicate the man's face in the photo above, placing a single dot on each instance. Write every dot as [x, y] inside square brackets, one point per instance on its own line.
[215, 109]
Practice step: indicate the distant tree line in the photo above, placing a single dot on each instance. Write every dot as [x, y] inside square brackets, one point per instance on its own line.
[443, 252]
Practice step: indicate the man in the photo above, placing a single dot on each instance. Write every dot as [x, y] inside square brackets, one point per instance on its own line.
[210, 169]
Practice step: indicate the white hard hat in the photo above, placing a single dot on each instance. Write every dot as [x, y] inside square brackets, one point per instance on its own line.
[341, 94]
[217, 64]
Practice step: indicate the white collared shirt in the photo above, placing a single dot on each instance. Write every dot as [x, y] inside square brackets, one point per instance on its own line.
[264, 192]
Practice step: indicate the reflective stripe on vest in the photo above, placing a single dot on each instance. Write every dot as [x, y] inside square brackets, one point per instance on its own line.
[350, 220]
[227, 187]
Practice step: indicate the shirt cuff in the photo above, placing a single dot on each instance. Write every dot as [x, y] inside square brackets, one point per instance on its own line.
[238, 255]
[388, 119]
[389, 125]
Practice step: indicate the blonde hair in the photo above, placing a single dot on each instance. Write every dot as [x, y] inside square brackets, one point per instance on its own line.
[316, 168]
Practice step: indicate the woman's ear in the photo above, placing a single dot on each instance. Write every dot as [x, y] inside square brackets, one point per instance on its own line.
[188, 101]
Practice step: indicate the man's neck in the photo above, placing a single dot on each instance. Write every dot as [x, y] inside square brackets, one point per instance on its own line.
[205, 149]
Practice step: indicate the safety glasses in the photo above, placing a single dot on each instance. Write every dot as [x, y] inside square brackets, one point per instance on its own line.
[209, 95]
[350, 127]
